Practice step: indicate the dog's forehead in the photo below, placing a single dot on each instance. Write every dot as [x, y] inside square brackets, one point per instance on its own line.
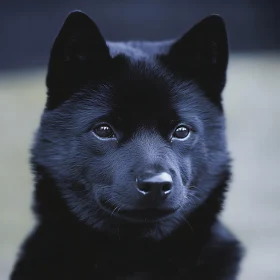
[142, 96]
[143, 90]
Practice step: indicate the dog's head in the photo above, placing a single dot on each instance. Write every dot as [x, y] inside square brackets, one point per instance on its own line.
[133, 134]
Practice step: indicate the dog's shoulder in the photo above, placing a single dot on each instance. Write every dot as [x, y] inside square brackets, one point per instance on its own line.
[220, 258]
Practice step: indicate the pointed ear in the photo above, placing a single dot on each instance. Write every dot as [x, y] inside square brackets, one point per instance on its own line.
[202, 55]
[78, 50]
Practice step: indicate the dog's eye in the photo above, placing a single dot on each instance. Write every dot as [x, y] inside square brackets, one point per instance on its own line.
[104, 131]
[181, 132]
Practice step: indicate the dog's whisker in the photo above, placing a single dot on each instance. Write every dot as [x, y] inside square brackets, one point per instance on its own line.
[108, 200]
[188, 223]
[114, 211]
[119, 209]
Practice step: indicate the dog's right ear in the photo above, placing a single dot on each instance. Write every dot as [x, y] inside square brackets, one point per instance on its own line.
[78, 50]
[202, 54]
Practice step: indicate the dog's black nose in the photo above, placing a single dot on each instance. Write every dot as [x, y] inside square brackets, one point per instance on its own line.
[157, 184]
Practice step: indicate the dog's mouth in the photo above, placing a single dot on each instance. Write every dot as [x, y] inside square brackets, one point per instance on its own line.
[143, 215]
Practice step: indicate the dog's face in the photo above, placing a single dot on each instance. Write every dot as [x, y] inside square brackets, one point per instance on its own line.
[133, 140]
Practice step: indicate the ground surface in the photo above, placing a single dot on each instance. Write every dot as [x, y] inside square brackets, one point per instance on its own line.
[252, 101]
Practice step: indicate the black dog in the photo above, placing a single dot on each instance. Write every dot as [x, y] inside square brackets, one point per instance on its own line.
[130, 160]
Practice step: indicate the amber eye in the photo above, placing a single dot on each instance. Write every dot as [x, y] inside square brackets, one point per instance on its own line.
[181, 132]
[103, 131]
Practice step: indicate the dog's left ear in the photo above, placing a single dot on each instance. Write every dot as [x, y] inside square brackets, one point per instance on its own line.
[202, 55]
[79, 50]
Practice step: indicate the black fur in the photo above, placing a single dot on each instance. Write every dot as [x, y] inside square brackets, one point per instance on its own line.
[85, 195]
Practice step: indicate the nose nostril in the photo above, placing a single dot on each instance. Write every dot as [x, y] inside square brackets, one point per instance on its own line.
[144, 188]
[166, 188]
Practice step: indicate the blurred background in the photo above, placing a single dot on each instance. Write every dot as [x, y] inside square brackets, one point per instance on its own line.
[251, 99]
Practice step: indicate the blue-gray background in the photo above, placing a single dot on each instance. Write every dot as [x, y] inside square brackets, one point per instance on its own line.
[28, 27]
[251, 100]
